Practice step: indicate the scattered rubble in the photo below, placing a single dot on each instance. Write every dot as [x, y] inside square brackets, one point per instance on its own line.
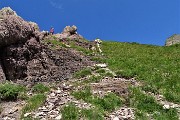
[11, 110]
[123, 113]
[56, 100]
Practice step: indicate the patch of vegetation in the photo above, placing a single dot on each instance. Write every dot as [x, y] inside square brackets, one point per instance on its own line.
[10, 91]
[140, 115]
[98, 59]
[108, 103]
[71, 112]
[40, 88]
[147, 104]
[91, 114]
[108, 74]
[79, 48]
[33, 103]
[82, 73]
[93, 79]
[55, 43]
[100, 71]
[150, 88]
[154, 65]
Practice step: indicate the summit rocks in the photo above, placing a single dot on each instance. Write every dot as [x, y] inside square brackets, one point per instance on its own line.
[69, 32]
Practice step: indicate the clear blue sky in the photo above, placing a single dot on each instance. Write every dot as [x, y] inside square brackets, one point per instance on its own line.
[142, 21]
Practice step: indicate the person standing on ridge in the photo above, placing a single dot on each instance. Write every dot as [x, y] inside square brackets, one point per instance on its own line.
[52, 31]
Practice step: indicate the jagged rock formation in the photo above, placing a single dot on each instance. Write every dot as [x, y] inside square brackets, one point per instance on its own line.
[24, 57]
[174, 39]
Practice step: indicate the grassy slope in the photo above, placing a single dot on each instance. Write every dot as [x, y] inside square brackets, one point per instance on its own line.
[158, 67]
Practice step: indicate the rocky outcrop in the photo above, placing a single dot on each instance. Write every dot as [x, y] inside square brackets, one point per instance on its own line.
[174, 39]
[24, 57]
[13, 29]
[69, 33]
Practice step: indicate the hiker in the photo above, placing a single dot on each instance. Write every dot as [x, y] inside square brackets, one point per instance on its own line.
[98, 42]
[52, 31]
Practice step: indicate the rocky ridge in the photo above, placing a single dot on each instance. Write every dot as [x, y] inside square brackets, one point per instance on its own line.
[24, 57]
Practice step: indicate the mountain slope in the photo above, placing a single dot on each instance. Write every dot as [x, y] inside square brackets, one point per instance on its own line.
[158, 67]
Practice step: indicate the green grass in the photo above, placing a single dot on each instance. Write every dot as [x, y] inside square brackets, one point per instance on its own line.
[154, 65]
[10, 91]
[108, 103]
[93, 79]
[147, 104]
[79, 48]
[40, 88]
[100, 71]
[33, 103]
[71, 112]
[82, 73]
[55, 43]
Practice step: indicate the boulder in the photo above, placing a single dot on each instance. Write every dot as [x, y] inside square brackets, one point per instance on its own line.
[71, 30]
[174, 39]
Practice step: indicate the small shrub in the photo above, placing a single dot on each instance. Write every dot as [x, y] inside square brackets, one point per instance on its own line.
[40, 88]
[9, 91]
[82, 73]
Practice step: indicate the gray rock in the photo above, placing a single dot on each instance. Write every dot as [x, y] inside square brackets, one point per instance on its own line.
[116, 118]
[13, 29]
[59, 117]
[174, 39]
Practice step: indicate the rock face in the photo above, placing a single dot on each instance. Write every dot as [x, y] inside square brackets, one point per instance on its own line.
[174, 39]
[13, 29]
[24, 57]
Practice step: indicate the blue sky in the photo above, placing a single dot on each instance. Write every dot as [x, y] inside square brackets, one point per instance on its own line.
[142, 21]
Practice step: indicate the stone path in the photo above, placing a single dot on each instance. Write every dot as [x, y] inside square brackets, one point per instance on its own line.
[56, 99]
[123, 113]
